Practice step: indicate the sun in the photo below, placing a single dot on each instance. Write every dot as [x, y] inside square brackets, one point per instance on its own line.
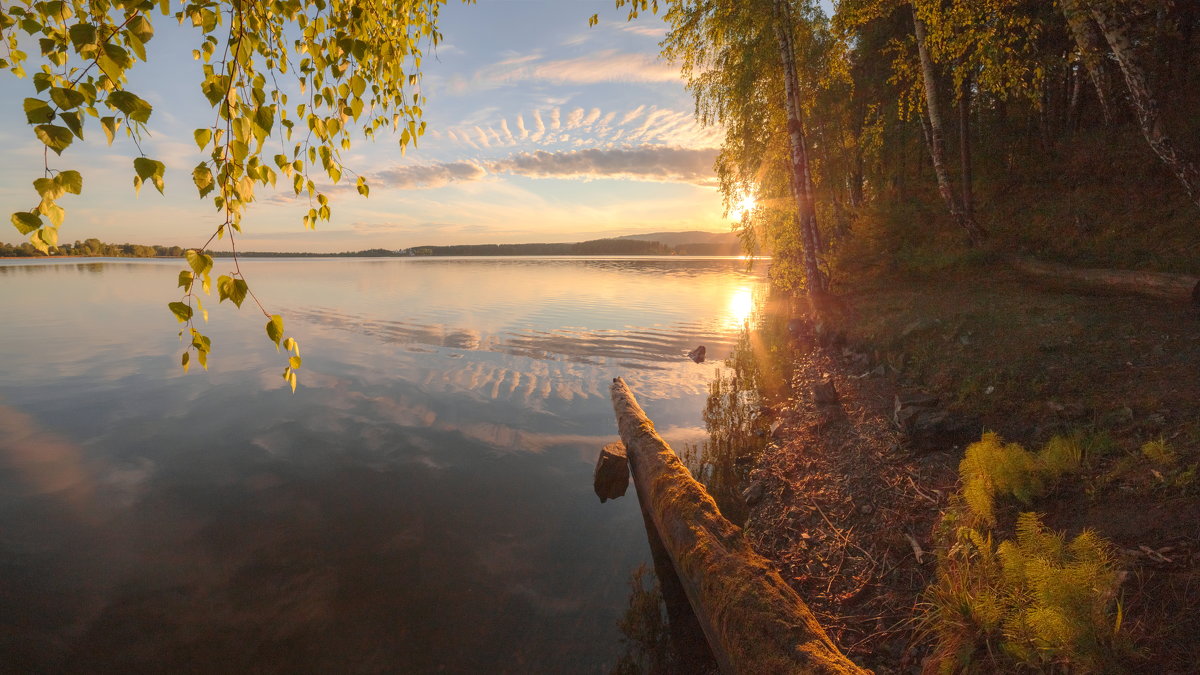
[742, 207]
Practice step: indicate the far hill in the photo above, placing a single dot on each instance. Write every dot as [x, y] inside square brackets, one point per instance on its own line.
[689, 237]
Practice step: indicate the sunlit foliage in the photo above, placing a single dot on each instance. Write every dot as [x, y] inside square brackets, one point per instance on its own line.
[290, 83]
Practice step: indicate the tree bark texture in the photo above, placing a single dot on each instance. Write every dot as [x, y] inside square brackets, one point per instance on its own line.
[1116, 32]
[1091, 52]
[937, 148]
[964, 148]
[754, 622]
[802, 186]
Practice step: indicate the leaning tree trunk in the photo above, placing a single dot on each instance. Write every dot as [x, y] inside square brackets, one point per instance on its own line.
[801, 183]
[1144, 103]
[1090, 53]
[936, 144]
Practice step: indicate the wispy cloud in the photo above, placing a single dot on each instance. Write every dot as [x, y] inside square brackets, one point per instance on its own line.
[608, 65]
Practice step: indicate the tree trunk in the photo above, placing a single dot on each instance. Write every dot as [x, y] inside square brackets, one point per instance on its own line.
[936, 144]
[801, 182]
[1144, 103]
[964, 147]
[1090, 52]
[754, 621]
[1076, 73]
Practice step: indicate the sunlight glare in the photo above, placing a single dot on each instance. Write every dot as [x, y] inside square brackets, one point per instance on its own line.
[741, 304]
[744, 206]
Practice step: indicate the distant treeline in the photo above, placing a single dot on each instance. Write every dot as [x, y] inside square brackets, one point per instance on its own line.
[92, 248]
[592, 247]
[97, 248]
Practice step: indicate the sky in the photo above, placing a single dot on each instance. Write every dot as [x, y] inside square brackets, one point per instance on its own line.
[540, 129]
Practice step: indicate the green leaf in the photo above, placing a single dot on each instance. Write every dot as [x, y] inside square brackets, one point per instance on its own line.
[203, 178]
[185, 280]
[130, 104]
[38, 111]
[233, 289]
[110, 125]
[141, 28]
[26, 222]
[202, 136]
[39, 243]
[275, 329]
[70, 181]
[82, 35]
[55, 137]
[223, 284]
[53, 212]
[73, 122]
[200, 263]
[48, 235]
[66, 99]
[181, 311]
[152, 169]
[48, 188]
[184, 361]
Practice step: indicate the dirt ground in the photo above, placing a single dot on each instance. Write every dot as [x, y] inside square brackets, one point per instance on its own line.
[845, 503]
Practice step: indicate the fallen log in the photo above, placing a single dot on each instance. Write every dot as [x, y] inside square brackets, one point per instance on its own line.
[753, 621]
[1171, 287]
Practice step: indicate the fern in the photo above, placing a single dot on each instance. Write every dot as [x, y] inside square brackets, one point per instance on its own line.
[992, 468]
[1036, 601]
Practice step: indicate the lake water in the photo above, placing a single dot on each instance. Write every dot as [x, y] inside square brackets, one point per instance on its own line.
[423, 503]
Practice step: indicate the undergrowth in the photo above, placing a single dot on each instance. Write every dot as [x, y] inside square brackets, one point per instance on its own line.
[1037, 601]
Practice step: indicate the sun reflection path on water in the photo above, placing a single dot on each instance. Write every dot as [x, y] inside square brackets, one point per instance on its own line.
[741, 305]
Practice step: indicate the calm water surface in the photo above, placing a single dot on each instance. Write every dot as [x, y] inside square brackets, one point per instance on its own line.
[423, 503]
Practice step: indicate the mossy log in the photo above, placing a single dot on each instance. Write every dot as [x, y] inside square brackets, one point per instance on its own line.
[1171, 287]
[753, 621]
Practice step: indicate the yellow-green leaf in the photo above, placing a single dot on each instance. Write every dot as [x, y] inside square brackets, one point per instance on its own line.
[26, 222]
[55, 137]
[275, 329]
[182, 312]
[70, 181]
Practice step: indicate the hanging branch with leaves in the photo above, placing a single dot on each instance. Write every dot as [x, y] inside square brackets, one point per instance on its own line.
[353, 65]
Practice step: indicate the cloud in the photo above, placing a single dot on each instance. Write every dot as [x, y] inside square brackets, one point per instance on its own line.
[538, 125]
[632, 115]
[654, 163]
[648, 162]
[604, 66]
[431, 175]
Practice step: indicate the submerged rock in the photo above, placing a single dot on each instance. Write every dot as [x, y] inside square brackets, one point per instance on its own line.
[611, 478]
[697, 354]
